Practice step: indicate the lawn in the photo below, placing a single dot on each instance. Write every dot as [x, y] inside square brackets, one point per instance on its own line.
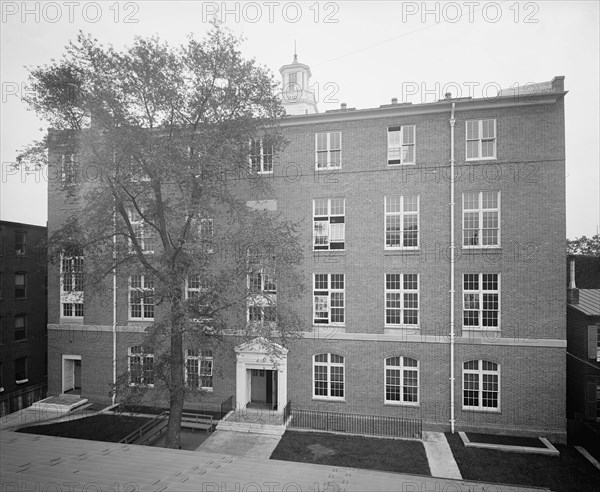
[570, 472]
[392, 455]
[102, 427]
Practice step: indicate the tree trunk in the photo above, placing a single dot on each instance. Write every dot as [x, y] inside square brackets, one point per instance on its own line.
[177, 392]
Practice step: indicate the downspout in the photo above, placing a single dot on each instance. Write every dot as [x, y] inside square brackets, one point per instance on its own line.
[114, 323]
[452, 260]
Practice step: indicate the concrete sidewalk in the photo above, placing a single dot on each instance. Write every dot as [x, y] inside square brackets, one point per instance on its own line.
[439, 455]
[240, 444]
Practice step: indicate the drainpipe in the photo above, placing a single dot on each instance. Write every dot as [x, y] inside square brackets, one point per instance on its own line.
[452, 260]
[114, 324]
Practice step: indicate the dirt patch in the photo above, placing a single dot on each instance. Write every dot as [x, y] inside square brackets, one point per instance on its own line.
[319, 451]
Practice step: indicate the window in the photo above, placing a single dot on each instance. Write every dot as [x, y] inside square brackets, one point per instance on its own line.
[402, 380]
[401, 145]
[328, 150]
[141, 367]
[328, 372]
[144, 235]
[401, 299]
[329, 227]
[193, 287]
[481, 219]
[329, 299]
[206, 233]
[402, 222]
[68, 169]
[481, 385]
[141, 297]
[71, 286]
[20, 243]
[20, 285]
[598, 347]
[481, 139]
[263, 295]
[199, 369]
[21, 370]
[20, 327]
[261, 157]
[481, 300]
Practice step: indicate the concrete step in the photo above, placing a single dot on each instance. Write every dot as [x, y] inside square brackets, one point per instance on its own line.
[273, 430]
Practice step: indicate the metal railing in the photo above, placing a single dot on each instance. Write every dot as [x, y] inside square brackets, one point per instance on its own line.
[287, 411]
[226, 406]
[146, 431]
[373, 425]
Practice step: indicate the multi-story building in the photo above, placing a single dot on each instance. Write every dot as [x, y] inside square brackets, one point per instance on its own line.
[434, 254]
[23, 315]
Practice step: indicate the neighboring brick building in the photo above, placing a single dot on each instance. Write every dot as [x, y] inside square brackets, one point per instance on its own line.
[23, 315]
[462, 326]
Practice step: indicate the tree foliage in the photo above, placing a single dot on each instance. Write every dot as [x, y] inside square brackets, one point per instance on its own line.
[584, 245]
[161, 137]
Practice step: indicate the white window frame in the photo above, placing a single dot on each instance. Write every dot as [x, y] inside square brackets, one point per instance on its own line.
[404, 133]
[205, 356]
[479, 139]
[24, 285]
[144, 281]
[71, 300]
[21, 316]
[328, 365]
[327, 221]
[328, 151]
[326, 295]
[206, 233]
[144, 359]
[21, 246]
[68, 169]
[402, 368]
[401, 214]
[261, 297]
[480, 292]
[402, 300]
[481, 372]
[261, 162]
[481, 212]
[144, 234]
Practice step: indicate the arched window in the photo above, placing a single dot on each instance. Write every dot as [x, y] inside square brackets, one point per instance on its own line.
[402, 380]
[481, 385]
[328, 376]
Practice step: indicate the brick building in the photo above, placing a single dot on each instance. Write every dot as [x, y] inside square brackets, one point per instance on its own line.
[434, 256]
[23, 315]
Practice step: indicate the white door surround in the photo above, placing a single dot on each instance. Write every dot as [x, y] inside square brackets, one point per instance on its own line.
[68, 371]
[260, 354]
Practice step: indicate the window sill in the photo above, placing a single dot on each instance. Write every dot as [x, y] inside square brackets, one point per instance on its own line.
[329, 252]
[483, 330]
[400, 404]
[328, 168]
[402, 327]
[475, 159]
[402, 164]
[401, 251]
[333, 400]
[21, 381]
[20, 340]
[1, 389]
[493, 247]
[494, 411]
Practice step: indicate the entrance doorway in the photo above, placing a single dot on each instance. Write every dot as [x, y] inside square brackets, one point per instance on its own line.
[71, 374]
[263, 389]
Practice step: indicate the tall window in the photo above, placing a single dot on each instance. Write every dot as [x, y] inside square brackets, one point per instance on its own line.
[20, 327]
[199, 369]
[481, 219]
[21, 370]
[481, 385]
[481, 300]
[68, 169]
[140, 366]
[20, 243]
[262, 300]
[193, 287]
[328, 376]
[72, 286]
[481, 139]
[329, 223]
[401, 145]
[402, 380]
[328, 150]
[20, 285]
[401, 299]
[141, 297]
[261, 157]
[329, 299]
[206, 233]
[402, 222]
[144, 235]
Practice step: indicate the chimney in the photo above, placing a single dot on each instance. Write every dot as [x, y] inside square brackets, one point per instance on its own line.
[343, 106]
[572, 291]
[394, 100]
[448, 95]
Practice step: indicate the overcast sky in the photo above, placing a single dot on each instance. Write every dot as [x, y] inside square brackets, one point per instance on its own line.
[361, 53]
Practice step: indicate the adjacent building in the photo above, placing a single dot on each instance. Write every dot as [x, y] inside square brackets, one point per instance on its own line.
[23, 315]
[434, 256]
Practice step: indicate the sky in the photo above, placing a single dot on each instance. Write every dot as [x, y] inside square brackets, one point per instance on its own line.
[362, 53]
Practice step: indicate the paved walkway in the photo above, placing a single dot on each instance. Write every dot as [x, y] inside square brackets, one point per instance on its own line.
[33, 462]
[240, 444]
[439, 455]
